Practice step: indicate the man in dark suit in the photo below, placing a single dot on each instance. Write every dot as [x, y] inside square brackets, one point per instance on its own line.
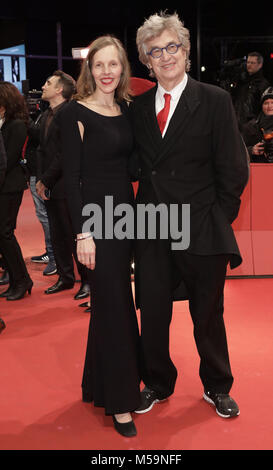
[57, 90]
[188, 152]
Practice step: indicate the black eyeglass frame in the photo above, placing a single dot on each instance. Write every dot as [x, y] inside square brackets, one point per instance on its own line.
[162, 49]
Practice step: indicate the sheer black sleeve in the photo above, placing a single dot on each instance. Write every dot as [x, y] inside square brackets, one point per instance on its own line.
[71, 159]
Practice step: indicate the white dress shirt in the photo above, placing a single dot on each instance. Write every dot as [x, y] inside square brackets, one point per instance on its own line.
[175, 93]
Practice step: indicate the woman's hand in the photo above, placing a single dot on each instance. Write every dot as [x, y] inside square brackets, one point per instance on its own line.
[86, 252]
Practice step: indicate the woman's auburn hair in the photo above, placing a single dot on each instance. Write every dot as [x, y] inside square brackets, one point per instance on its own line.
[86, 84]
[13, 102]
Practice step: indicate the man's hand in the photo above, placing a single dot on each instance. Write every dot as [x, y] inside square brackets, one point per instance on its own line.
[258, 149]
[41, 188]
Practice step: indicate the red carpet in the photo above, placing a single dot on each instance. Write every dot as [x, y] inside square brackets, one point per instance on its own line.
[42, 352]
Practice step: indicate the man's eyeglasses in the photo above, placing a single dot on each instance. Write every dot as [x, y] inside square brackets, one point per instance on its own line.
[157, 52]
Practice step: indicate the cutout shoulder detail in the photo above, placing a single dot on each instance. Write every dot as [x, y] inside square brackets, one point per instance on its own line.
[81, 129]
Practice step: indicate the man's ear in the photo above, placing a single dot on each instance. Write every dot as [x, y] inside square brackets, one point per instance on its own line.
[59, 89]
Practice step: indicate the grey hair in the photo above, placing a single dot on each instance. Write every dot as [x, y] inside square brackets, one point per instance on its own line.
[153, 27]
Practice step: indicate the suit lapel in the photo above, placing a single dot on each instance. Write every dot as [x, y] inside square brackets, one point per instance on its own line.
[186, 107]
[150, 121]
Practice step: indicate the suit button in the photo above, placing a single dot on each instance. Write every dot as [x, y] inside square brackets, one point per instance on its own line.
[172, 172]
[153, 172]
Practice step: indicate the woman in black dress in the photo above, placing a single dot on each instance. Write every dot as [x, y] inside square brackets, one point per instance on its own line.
[96, 144]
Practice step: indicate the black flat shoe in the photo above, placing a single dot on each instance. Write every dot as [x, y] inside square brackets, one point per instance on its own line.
[58, 287]
[125, 429]
[83, 292]
[20, 289]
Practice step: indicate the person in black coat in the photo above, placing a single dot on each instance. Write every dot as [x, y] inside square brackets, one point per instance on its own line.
[190, 155]
[40, 207]
[14, 114]
[258, 133]
[247, 93]
[57, 90]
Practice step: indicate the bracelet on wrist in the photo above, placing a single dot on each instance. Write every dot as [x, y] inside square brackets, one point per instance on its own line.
[83, 237]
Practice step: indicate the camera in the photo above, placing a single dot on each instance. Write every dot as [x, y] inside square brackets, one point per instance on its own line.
[34, 102]
[268, 145]
[232, 72]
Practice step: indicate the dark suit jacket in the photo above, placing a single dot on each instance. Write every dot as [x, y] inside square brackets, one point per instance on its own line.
[201, 161]
[14, 134]
[48, 156]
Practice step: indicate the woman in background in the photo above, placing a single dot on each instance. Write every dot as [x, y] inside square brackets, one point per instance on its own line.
[14, 119]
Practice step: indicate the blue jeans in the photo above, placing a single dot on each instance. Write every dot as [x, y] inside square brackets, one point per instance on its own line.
[41, 213]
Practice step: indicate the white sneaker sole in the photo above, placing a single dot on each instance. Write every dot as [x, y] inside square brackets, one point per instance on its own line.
[206, 398]
[150, 407]
[50, 273]
[39, 261]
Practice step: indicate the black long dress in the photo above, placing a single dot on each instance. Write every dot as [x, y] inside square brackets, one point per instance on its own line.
[95, 166]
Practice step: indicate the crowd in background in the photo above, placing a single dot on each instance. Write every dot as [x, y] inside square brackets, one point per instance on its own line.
[253, 103]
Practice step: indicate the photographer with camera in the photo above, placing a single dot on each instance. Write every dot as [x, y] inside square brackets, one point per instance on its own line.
[247, 93]
[258, 133]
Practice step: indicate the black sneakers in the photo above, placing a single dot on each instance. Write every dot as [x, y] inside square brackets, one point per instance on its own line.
[225, 406]
[50, 269]
[148, 399]
[40, 259]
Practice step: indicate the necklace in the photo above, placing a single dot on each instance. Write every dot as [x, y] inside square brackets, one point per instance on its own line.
[110, 110]
[103, 105]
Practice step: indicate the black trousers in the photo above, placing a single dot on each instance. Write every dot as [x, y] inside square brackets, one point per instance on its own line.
[63, 241]
[9, 247]
[204, 277]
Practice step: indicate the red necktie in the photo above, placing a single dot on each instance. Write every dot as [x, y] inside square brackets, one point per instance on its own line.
[163, 114]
